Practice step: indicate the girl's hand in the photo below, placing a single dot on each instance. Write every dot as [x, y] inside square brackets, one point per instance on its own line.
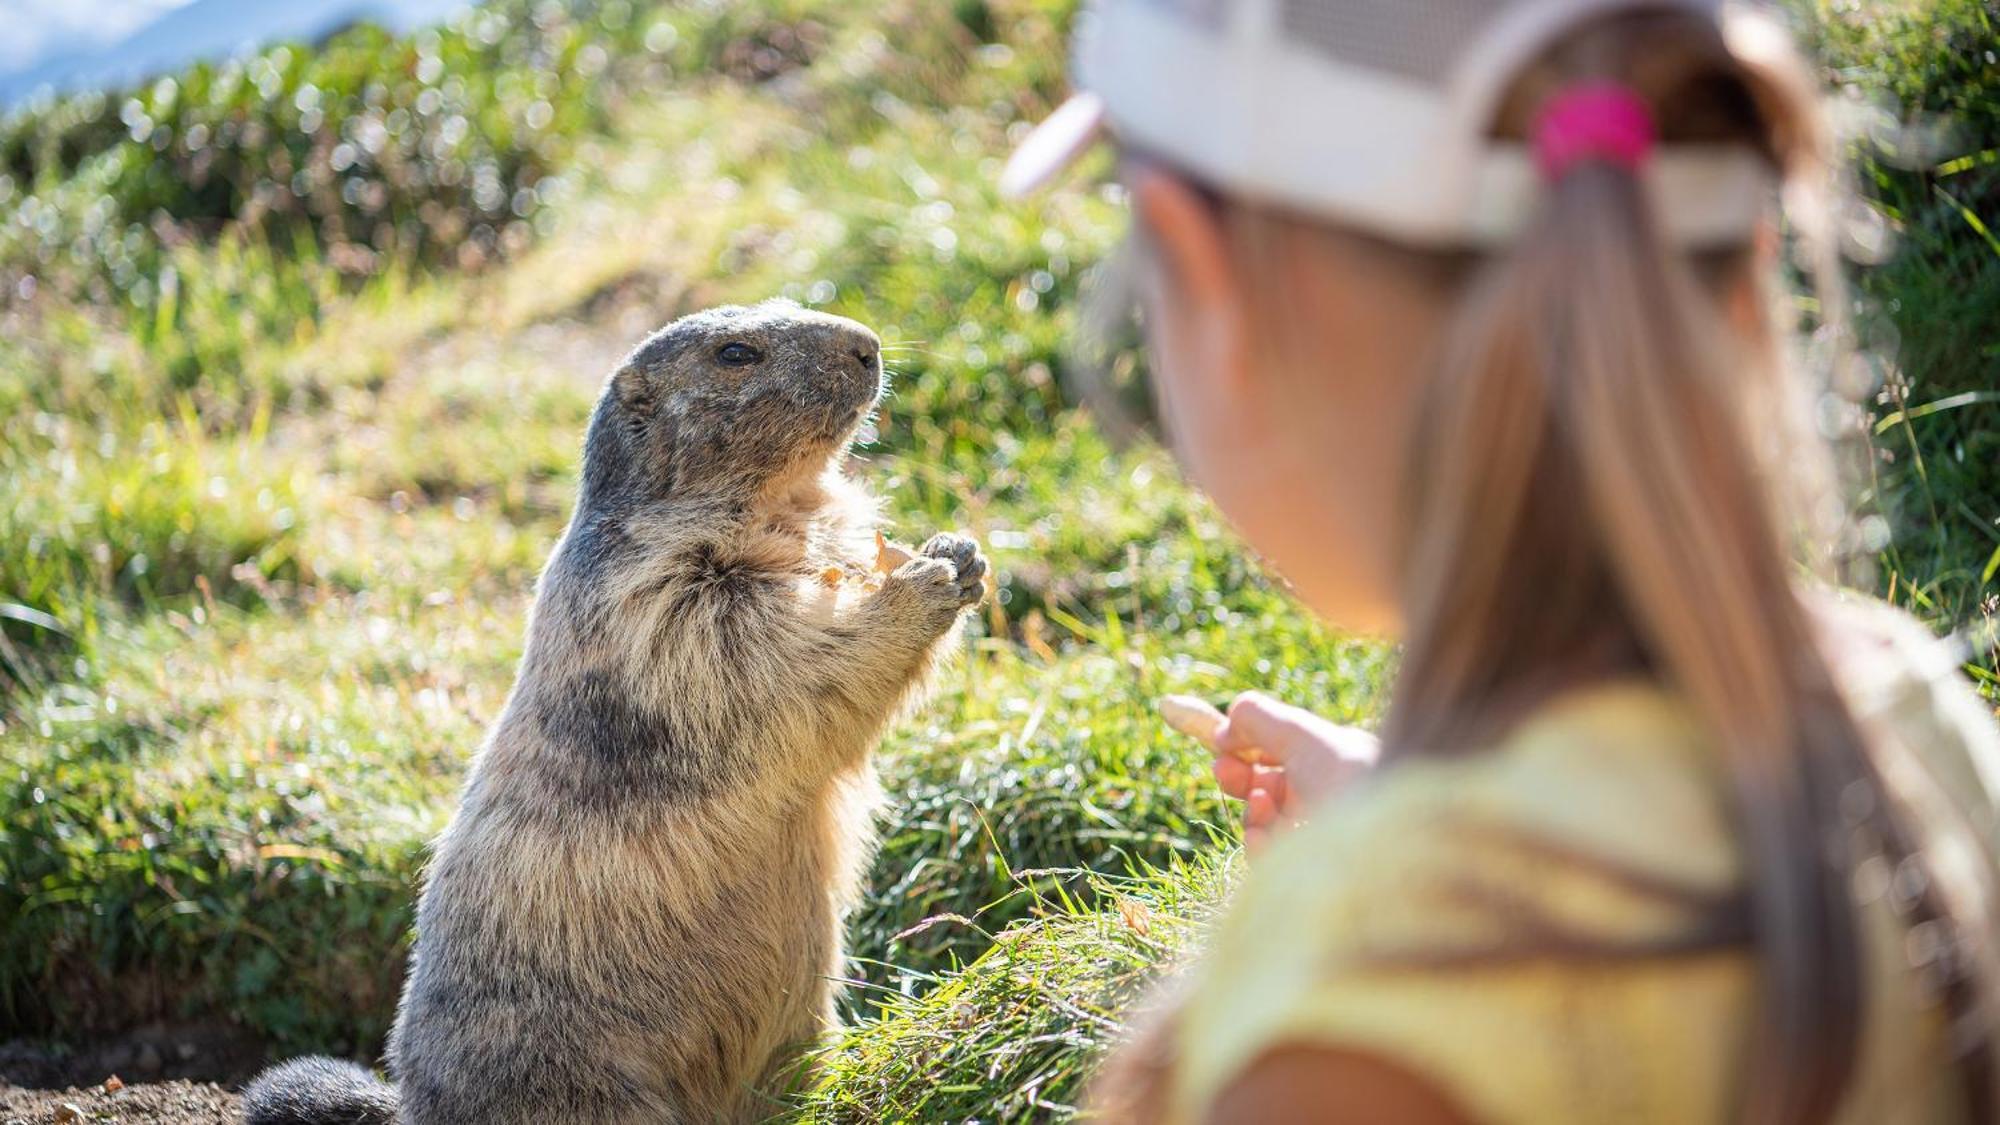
[1279, 760]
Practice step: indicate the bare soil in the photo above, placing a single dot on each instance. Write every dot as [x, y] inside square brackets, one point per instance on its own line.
[157, 1075]
[178, 1102]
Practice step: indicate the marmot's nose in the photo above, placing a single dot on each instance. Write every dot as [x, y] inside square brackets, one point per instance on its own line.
[857, 343]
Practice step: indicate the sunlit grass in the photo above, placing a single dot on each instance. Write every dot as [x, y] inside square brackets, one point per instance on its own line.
[269, 542]
[1015, 1035]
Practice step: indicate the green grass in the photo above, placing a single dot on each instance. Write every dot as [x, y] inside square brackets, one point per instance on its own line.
[1013, 1035]
[271, 528]
[1929, 164]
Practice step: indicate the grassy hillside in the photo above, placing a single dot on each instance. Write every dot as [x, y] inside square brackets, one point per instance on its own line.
[294, 358]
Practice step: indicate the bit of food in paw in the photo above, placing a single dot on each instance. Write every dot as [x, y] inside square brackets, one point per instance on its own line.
[888, 556]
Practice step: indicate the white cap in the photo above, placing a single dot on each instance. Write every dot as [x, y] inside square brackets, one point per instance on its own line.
[1372, 113]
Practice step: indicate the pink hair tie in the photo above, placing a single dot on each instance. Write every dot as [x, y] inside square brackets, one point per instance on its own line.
[1595, 121]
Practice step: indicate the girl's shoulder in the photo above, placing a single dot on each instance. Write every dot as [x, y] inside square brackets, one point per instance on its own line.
[1907, 686]
[1884, 657]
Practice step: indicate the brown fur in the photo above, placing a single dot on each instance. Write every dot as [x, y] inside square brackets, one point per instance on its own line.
[636, 913]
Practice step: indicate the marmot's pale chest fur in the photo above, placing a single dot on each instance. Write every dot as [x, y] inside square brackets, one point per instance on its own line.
[636, 911]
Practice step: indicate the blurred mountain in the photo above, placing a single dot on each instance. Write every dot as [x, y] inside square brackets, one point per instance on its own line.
[206, 29]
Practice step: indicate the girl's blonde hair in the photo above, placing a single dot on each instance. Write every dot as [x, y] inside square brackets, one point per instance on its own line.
[1609, 474]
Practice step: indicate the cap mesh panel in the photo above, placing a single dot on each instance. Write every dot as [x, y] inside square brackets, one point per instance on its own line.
[1419, 39]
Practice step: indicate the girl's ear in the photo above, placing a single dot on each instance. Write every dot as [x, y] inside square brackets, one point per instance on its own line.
[1195, 278]
[1744, 302]
[1187, 234]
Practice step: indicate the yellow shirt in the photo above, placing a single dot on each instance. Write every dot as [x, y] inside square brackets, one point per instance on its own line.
[1597, 820]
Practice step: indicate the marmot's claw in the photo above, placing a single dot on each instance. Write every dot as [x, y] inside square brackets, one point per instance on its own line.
[958, 550]
[966, 561]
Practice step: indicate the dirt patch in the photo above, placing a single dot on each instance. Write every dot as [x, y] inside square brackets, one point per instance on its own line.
[162, 1103]
[165, 1073]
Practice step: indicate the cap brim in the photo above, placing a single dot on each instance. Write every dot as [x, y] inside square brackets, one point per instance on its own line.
[1053, 145]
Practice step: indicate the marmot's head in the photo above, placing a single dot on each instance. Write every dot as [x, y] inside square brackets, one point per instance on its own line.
[730, 398]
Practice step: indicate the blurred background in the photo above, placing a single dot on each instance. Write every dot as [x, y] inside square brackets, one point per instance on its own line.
[303, 308]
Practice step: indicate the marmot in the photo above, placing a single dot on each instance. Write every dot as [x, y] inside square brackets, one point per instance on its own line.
[636, 911]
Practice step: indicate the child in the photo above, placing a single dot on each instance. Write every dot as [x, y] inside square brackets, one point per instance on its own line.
[1457, 311]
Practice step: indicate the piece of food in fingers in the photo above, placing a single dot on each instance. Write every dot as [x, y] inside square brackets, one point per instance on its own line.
[1198, 719]
[889, 556]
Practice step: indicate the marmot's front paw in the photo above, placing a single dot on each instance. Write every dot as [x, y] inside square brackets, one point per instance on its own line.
[966, 561]
[924, 589]
[947, 575]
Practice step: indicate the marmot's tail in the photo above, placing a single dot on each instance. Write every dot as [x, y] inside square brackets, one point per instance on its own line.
[319, 1091]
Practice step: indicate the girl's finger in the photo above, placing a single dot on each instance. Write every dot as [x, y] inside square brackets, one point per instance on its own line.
[1250, 752]
[1272, 780]
[1191, 716]
[1258, 722]
[1234, 776]
[1260, 809]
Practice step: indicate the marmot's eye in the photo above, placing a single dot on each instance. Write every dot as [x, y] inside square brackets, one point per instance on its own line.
[737, 355]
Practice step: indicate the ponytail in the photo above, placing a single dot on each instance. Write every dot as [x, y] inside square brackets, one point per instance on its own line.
[1588, 366]
[1586, 484]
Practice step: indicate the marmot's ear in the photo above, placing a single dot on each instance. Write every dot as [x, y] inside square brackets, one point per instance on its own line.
[634, 390]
